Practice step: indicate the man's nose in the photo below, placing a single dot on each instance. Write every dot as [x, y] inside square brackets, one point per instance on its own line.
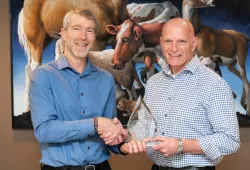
[83, 34]
[174, 47]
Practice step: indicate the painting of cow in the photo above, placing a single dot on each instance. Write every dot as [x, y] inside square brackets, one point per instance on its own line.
[143, 19]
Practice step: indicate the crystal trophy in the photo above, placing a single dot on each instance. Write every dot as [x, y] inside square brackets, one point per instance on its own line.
[141, 123]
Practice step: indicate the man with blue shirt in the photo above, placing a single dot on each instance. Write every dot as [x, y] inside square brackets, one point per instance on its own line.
[71, 100]
[193, 108]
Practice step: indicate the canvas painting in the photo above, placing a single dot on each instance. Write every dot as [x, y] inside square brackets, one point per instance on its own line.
[34, 41]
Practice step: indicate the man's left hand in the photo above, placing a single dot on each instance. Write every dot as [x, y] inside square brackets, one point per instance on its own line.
[167, 146]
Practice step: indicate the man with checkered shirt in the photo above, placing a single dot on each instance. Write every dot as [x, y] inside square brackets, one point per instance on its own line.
[193, 107]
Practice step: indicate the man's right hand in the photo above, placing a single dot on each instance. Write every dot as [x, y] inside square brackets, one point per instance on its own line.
[111, 130]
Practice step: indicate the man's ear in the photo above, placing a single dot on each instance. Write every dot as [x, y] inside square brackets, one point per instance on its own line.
[63, 34]
[161, 41]
[195, 42]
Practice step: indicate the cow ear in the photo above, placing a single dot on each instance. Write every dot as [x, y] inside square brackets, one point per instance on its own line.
[217, 60]
[137, 32]
[113, 30]
[201, 58]
[56, 35]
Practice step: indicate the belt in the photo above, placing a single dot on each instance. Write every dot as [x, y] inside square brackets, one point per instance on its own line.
[87, 167]
[156, 167]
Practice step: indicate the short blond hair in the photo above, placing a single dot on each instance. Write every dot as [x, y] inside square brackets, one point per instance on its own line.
[81, 12]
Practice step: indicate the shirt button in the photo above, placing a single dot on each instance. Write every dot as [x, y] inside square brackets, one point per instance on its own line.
[81, 94]
[88, 147]
[83, 112]
[163, 133]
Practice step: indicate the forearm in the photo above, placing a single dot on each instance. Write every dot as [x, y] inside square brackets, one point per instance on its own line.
[191, 146]
[219, 144]
[215, 145]
[56, 131]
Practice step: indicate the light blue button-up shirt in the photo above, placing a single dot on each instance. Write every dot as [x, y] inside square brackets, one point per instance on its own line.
[63, 104]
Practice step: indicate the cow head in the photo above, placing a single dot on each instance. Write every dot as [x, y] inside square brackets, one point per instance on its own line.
[128, 37]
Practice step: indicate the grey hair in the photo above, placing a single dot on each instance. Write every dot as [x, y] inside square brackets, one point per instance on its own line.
[81, 12]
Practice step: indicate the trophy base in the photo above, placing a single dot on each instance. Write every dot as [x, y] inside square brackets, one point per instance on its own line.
[152, 143]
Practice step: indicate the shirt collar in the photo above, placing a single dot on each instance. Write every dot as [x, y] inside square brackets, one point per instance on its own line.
[190, 67]
[63, 63]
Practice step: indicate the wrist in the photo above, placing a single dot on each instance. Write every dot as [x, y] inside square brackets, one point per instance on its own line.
[180, 148]
[96, 124]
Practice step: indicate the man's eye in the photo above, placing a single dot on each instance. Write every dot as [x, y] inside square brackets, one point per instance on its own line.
[167, 41]
[90, 30]
[182, 41]
[76, 28]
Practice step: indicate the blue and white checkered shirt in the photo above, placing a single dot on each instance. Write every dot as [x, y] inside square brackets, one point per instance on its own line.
[195, 104]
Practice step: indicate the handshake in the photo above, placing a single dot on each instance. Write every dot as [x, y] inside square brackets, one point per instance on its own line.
[111, 130]
[113, 133]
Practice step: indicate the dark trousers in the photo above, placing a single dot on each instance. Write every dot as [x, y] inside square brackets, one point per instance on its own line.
[156, 167]
[102, 166]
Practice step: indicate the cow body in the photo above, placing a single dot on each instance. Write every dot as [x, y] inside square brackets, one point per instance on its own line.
[151, 12]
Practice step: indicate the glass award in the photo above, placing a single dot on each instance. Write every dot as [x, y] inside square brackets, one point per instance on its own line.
[141, 123]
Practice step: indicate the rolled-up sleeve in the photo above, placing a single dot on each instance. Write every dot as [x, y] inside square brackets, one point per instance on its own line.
[222, 116]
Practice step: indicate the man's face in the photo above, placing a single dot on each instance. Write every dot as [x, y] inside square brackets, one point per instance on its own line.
[177, 45]
[79, 36]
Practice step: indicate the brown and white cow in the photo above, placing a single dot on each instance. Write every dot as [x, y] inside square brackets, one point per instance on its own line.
[136, 39]
[230, 45]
